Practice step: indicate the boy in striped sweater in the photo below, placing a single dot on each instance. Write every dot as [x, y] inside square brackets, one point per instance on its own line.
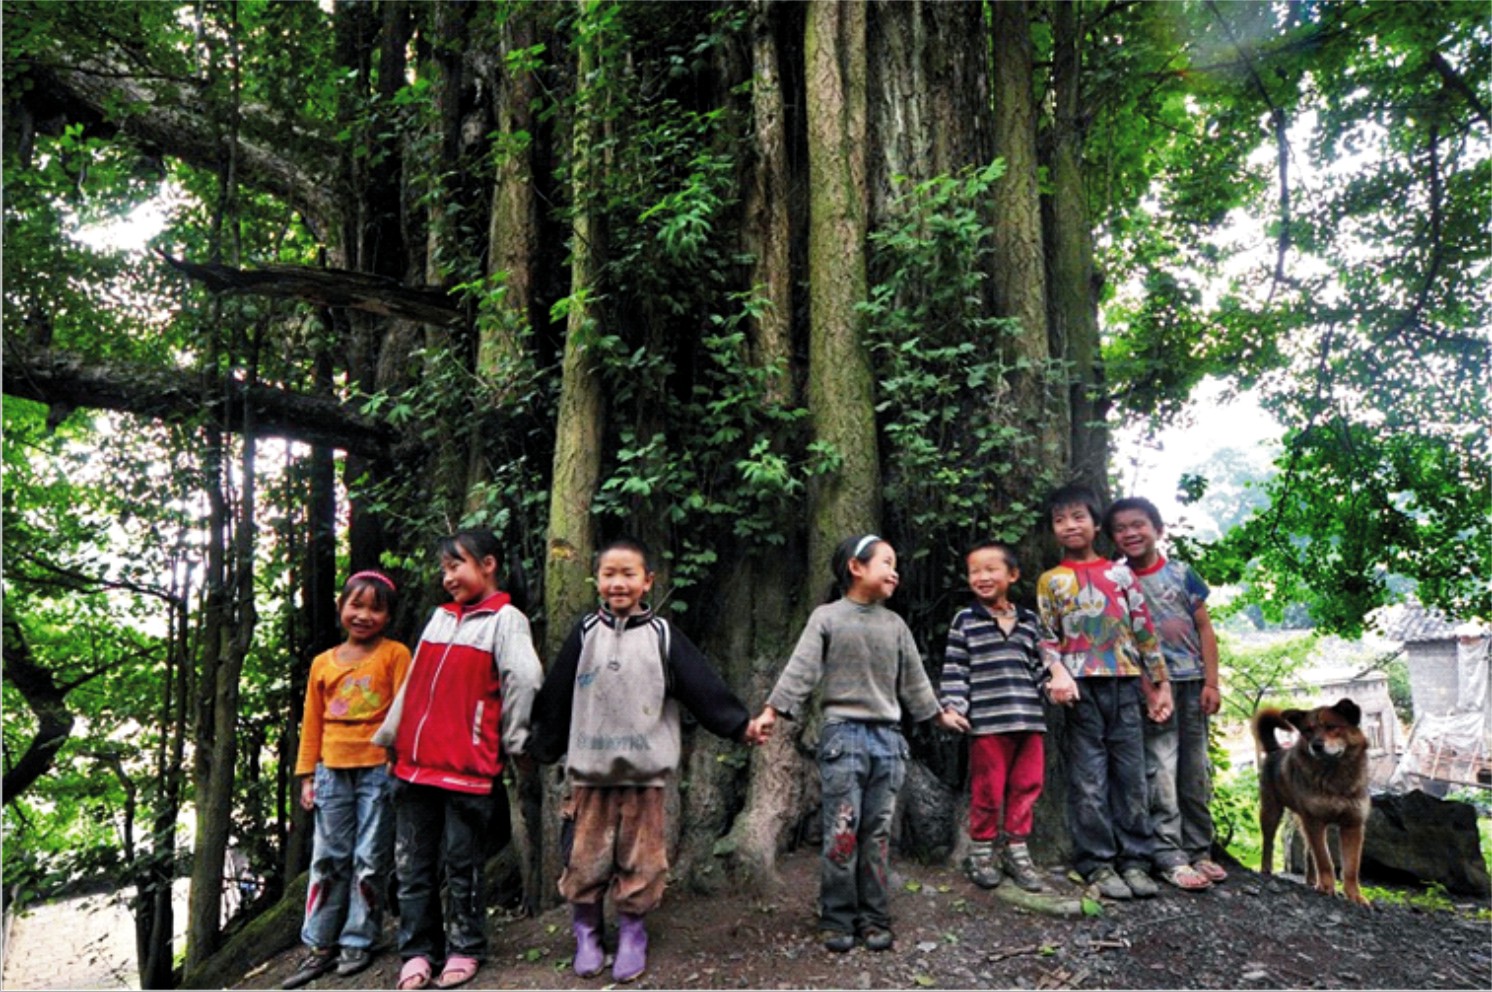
[992, 672]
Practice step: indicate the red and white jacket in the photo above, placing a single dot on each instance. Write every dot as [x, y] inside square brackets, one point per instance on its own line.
[467, 698]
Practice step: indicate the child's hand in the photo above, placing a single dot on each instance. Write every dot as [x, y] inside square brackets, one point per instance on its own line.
[308, 792]
[1062, 688]
[1212, 700]
[952, 719]
[1160, 704]
[759, 731]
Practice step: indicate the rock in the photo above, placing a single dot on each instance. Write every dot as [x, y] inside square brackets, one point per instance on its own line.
[1412, 839]
[926, 813]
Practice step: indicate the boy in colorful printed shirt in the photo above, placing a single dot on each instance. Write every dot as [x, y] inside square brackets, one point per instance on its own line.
[1095, 622]
[1175, 749]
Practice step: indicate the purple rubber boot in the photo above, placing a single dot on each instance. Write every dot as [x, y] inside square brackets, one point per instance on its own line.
[631, 949]
[585, 920]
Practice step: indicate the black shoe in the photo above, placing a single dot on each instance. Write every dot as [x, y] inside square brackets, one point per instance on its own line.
[838, 941]
[316, 963]
[353, 960]
[877, 939]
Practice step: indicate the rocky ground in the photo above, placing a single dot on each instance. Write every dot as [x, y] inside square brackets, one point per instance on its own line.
[1249, 933]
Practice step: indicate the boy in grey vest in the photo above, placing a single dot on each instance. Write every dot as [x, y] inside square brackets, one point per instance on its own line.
[610, 703]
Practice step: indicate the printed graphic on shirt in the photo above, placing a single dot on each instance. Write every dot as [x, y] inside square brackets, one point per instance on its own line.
[355, 698]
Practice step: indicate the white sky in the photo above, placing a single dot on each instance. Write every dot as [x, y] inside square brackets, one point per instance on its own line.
[1154, 468]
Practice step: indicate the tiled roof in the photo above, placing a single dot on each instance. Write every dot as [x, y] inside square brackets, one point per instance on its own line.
[1412, 623]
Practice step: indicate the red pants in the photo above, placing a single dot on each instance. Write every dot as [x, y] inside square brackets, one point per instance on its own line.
[1005, 772]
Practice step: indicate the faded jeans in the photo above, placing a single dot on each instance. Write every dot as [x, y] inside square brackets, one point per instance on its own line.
[350, 858]
[861, 768]
[1180, 779]
[1107, 804]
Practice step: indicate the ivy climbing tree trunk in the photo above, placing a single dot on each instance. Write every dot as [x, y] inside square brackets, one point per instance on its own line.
[579, 420]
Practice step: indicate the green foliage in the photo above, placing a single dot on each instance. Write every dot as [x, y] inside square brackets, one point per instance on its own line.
[1254, 675]
[1368, 288]
[956, 452]
[1235, 812]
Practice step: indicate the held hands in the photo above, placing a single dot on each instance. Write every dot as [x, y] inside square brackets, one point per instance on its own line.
[1158, 701]
[759, 730]
[952, 719]
[1062, 689]
[308, 792]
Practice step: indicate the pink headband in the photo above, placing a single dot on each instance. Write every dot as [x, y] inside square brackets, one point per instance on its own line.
[375, 576]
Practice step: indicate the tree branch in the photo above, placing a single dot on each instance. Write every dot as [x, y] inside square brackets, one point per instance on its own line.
[328, 288]
[157, 117]
[176, 396]
[1453, 80]
[48, 701]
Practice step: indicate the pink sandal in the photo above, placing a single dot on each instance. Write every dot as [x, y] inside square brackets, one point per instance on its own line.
[414, 975]
[459, 970]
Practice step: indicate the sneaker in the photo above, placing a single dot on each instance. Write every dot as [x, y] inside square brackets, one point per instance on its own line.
[1186, 878]
[838, 941]
[353, 960]
[1017, 865]
[317, 962]
[877, 939]
[980, 865]
[1109, 884]
[1139, 882]
[1211, 870]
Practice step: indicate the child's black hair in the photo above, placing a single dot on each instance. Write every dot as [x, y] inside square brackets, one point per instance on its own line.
[1132, 503]
[859, 548]
[479, 542]
[1012, 560]
[385, 596]
[625, 543]
[1074, 495]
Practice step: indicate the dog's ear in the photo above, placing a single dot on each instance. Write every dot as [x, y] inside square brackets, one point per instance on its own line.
[1349, 711]
[1297, 719]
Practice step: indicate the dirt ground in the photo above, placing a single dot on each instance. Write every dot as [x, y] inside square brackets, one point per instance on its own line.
[1251, 932]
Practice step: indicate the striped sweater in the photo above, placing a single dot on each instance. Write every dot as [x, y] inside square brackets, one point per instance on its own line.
[991, 677]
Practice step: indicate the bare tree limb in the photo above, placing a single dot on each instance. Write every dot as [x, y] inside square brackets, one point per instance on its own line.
[157, 116]
[328, 288]
[176, 396]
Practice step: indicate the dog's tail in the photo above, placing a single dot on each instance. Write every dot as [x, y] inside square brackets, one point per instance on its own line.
[1266, 722]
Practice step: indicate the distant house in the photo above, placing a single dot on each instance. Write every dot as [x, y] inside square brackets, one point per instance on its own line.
[1451, 683]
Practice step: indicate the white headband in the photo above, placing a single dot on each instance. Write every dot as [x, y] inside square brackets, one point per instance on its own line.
[865, 542]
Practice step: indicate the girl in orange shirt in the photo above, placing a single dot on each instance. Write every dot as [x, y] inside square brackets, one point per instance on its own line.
[345, 780]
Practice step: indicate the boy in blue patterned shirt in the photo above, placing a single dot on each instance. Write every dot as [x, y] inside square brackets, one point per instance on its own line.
[1176, 760]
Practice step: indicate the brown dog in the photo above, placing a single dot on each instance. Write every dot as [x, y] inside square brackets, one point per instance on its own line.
[1324, 779]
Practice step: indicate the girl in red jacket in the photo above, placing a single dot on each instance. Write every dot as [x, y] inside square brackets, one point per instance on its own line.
[464, 707]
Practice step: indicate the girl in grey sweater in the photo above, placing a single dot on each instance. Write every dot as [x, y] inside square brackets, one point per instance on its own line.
[871, 670]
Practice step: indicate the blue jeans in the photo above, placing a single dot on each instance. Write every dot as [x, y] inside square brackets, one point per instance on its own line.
[1180, 779]
[861, 768]
[1107, 805]
[350, 858]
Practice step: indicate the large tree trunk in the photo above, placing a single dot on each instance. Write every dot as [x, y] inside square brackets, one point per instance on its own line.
[579, 427]
[1020, 283]
[841, 384]
[1073, 301]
